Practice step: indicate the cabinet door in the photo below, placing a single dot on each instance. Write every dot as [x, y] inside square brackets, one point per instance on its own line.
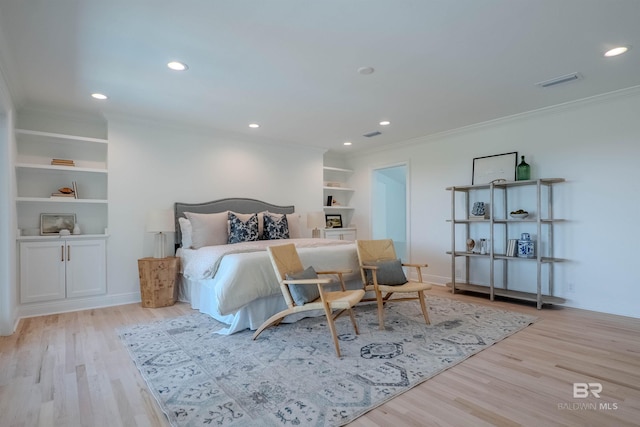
[42, 271]
[339, 234]
[86, 268]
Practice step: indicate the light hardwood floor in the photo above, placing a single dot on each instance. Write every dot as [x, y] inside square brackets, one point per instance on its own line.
[71, 370]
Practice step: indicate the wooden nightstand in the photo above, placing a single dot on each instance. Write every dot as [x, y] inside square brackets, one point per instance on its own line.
[158, 281]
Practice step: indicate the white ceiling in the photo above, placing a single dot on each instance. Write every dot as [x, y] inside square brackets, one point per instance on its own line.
[290, 65]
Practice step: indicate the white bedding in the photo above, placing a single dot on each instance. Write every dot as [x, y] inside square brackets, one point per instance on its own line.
[240, 273]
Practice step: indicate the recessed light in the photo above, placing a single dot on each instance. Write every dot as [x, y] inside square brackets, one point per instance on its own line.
[254, 125]
[616, 51]
[99, 96]
[365, 70]
[177, 66]
[385, 123]
[346, 143]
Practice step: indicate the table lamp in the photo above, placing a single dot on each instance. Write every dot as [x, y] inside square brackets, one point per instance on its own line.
[315, 220]
[160, 222]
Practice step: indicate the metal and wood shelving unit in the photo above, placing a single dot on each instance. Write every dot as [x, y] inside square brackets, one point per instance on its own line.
[502, 199]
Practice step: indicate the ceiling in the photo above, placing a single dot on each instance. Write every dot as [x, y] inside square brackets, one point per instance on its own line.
[291, 65]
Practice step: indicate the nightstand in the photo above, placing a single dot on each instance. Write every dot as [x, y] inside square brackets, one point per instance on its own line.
[158, 281]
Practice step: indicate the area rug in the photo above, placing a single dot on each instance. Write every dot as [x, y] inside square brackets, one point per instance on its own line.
[291, 375]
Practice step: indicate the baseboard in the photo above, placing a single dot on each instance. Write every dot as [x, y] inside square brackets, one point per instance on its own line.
[76, 304]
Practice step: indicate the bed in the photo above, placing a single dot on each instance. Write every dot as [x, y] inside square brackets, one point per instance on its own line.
[235, 282]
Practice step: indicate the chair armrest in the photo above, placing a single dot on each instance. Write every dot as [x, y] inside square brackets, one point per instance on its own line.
[369, 267]
[335, 272]
[414, 265]
[317, 281]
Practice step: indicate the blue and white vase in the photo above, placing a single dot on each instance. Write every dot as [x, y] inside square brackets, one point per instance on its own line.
[526, 246]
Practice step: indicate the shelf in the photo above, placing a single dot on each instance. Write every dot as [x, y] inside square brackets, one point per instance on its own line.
[60, 137]
[69, 237]
[332, 169]
[336, 208]
[469, 254]
[59, 168]
[59, 200]
[507, 293]
[337, 188]
[498, 230]
[544, 181]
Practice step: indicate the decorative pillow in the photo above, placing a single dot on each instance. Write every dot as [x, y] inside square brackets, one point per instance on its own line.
[243, 231]
[246, 217]
[185, 232]
[207, 229]
[293, 220]
[276, 228]
[389, 273]
[303, 294]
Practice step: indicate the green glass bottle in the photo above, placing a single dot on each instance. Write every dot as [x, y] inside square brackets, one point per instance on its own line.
[523, 171]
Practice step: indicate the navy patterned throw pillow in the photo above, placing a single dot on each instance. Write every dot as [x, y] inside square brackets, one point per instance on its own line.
[243, 231]
[276, 228]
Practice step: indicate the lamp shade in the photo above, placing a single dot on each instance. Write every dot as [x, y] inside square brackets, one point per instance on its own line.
[315, 220]
[160, 221]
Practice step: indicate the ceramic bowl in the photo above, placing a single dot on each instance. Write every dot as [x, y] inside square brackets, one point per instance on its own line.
[519, 216]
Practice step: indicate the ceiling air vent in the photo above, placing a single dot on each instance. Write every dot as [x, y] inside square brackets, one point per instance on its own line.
[372, 134]
[559, 80]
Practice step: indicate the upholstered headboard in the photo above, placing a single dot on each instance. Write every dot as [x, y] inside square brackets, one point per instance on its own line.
[239, 205]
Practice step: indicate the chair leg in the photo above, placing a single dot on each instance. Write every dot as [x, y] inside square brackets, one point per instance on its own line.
[332, 328]
[273, 320]
[353, 320]
[423, 305]
[380, 310]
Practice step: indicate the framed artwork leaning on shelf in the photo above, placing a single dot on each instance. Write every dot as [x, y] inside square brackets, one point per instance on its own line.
[53, 223]
[497, 166]
[333, 220]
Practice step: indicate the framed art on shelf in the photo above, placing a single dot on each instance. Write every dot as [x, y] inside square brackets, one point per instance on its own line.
[333, 220]
[52, 223]
[498, 166]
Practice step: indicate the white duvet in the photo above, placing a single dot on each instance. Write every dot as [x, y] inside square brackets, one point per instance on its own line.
[242, 272]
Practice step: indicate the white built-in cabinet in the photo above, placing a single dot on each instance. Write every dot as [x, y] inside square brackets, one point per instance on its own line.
[493, 271]
[52, 267]
[62, 268]
[348, 233]
[336, 187]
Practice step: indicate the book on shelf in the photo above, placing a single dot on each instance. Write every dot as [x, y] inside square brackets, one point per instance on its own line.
[512, 247]
[62, 162]
[62, 195]
[75, 189]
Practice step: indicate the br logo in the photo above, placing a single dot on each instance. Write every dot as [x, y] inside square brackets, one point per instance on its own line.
[583, 390]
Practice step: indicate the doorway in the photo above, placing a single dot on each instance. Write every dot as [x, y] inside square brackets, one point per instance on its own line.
[389, 207]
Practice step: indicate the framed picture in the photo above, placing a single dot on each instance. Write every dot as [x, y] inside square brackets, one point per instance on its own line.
[498, 166]
[334, 221]
[53, 223]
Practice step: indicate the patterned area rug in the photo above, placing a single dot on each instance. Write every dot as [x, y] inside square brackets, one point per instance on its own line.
[291, 376]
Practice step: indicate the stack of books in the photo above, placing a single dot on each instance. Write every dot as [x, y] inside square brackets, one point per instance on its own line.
[62, 162]
[512, 247]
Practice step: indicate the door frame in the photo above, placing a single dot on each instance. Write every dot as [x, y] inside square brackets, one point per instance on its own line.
[407, 192]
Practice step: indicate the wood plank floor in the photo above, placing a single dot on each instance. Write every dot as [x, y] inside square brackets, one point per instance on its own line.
[71, 370]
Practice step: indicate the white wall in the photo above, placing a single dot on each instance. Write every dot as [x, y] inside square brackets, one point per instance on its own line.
[153, 165]
[593, 144]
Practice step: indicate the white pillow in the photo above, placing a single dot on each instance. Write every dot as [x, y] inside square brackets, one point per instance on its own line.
[185, 231]
[208, 229]
[294, 226]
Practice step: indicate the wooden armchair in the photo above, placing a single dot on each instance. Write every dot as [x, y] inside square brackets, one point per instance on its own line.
[375, 255]
[286, 263]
